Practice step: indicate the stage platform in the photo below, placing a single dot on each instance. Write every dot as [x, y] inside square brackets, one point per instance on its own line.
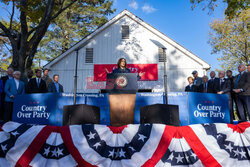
[158, 145]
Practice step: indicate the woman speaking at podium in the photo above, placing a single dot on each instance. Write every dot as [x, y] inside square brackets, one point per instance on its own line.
[122, 101]
[122, 68]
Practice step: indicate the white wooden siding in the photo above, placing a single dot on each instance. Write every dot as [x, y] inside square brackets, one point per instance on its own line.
[141, 48]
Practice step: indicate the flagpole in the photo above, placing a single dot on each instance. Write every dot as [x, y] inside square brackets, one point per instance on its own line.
[75, 77]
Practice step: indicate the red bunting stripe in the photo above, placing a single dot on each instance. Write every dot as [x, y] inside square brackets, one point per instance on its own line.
[240, 128]
[199, 149]
[67, 139]
[162, 147]
[117, 130]
[35, 146]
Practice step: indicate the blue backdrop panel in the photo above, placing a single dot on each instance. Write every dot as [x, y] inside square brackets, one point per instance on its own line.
[143, 99]
[194, 108]
[208, 108]
[37, 109]
[180, 99]
[101, 100]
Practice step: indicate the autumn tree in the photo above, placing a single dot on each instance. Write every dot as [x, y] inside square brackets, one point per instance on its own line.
[233, 9]
[28, 23]
[231, 38]
[74, 24]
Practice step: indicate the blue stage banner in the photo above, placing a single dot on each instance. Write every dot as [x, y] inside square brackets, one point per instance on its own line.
[143, 99]
[180, 99]
[37, 109]
[208, 108]
[100, 100]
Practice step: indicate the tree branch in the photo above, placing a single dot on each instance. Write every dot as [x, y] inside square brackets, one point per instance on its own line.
[7, 32]
[62, 9]
[12, 15]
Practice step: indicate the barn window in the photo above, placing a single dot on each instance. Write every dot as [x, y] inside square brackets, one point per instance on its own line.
[125, 32]
[161, 53]
[89, 55]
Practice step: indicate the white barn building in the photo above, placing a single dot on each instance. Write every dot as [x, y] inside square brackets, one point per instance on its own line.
[127, 36]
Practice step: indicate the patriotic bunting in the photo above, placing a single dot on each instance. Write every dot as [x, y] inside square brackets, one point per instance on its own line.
[132, 145]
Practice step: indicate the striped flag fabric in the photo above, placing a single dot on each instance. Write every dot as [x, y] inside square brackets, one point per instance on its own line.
[131, 145]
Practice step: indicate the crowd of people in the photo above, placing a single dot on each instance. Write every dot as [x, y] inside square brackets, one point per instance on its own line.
[237, 87]
[12, 85]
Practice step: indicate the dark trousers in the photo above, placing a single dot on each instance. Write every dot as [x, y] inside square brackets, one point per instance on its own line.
[231, 107]
[243, 106]
[2, 106]
[8, 109]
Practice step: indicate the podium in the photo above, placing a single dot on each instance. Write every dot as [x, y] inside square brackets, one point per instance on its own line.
[122, 88]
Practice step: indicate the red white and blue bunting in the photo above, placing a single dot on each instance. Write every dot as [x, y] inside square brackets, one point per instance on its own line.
[132, 145]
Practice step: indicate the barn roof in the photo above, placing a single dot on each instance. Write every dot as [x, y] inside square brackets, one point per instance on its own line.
[125, 12]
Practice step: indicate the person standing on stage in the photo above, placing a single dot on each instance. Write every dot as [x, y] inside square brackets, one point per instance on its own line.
[191, 87]
[4, 79]
[28, 78]
[46, 77]
[197, 80]
[242, 91]
[1, 92]
[37, 85]
[122, 68]
[54, 86]
[232, 94]
[13, 87]
[225, 88]
[248, 68]
[204, 85]
[213, 83]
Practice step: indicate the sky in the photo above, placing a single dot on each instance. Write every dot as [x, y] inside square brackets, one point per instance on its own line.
[175, 18]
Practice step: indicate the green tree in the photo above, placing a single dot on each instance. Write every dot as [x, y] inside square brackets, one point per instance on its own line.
[28, 23]
[234, 7]
[231, 38]
[71, 26]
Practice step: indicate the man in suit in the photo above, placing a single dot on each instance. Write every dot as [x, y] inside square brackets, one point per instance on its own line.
[242, 91]
[37, 85]
[197, 80]
[54, 86]
[191, 87]
[27, 79]
[225, 88]
[232, 94]
[204, 85]
[13, 87]
[46, 77]
[4, 79]
[213, 83]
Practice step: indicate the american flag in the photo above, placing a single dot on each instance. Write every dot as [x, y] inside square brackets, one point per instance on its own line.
[132, 145]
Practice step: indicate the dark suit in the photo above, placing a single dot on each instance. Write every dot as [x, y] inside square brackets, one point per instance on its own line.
[125, 70]
[213, 85]
[1, 92]
[4, 79]
[26, 81]
[198, 81]
[204, 88]
[193, 88]
[52, 88]
[243, 98]
[33, 88]
[225, 86]
[232, 96]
